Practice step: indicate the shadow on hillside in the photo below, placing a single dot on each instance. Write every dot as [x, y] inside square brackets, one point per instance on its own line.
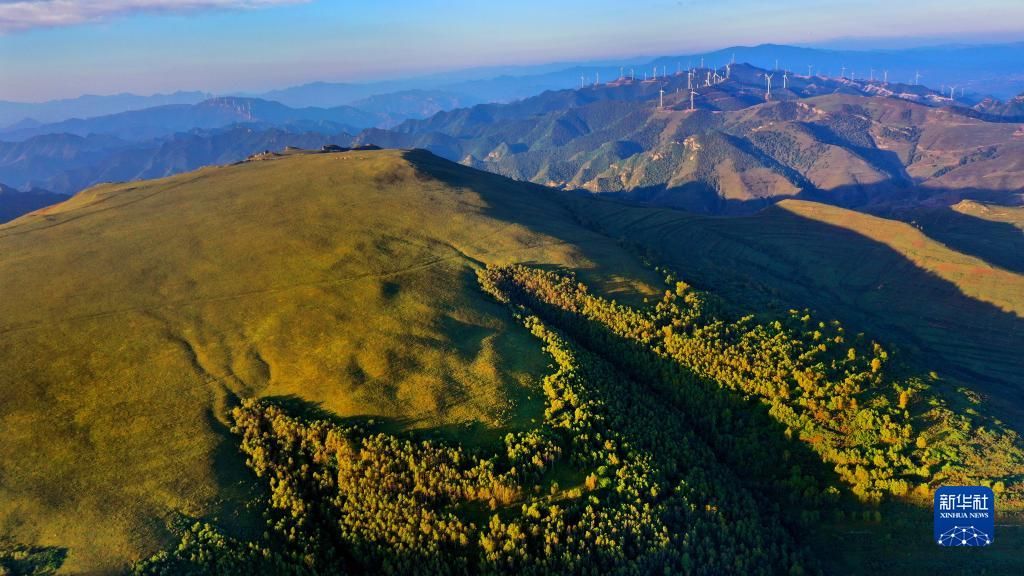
[998, 243]
[931, 210]
[869, 287]
[42, 560]
[789, 261]
[472, 433]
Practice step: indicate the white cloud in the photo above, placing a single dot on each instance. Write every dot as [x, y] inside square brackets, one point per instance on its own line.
[27, 14]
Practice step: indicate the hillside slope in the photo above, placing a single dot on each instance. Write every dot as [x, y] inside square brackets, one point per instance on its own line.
[964, 315]
[133, 314]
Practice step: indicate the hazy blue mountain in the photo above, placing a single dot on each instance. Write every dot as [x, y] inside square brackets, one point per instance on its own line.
[141, 125]
[14, 203]
[413, 104]
[68, 163]
[484, 84]
[978, 70]
[88, 106]
[44, 161]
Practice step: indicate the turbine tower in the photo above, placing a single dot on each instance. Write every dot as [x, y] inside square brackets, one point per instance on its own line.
[661, 99]
[692, 94]
[810, 67]
[885, 76]
[689, 80]
[952, 93]
[785, 80]
[843, 73]
[768, 95]
[917, 78]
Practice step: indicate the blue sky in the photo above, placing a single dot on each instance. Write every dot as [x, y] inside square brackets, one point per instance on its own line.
[63, 48]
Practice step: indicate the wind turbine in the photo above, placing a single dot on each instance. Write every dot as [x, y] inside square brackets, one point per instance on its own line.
[707, 81]
[597, 78]
[728, 69]
[886, 77]
[655, 77]
[917, 78]
[785, 80]
[692, 94]
[810, 67]
[843, 73]
[689, 80]
[952, 93]
[768, 77]
[583, 81]
[632, 74]
[661, 99]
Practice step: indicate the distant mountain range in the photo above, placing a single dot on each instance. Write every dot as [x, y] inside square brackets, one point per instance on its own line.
[141, 125]
[850, 143]
[68, 163]
[23, 114]
[14, 203]
[978, 71]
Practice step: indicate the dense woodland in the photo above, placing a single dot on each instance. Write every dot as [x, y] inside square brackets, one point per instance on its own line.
[675, 439]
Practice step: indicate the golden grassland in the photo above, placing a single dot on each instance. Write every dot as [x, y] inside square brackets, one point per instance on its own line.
[134, 314]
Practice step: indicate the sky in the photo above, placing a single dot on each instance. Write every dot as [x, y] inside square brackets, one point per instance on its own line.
[64, 48]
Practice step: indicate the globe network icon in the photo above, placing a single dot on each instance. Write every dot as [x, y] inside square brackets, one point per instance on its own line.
[964, 516]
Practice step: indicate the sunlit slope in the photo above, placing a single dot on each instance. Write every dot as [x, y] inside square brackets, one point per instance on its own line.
[133, 314]
[961, 314]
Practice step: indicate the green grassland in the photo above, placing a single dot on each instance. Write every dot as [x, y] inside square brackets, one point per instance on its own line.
[134, 314]
[135, 319]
